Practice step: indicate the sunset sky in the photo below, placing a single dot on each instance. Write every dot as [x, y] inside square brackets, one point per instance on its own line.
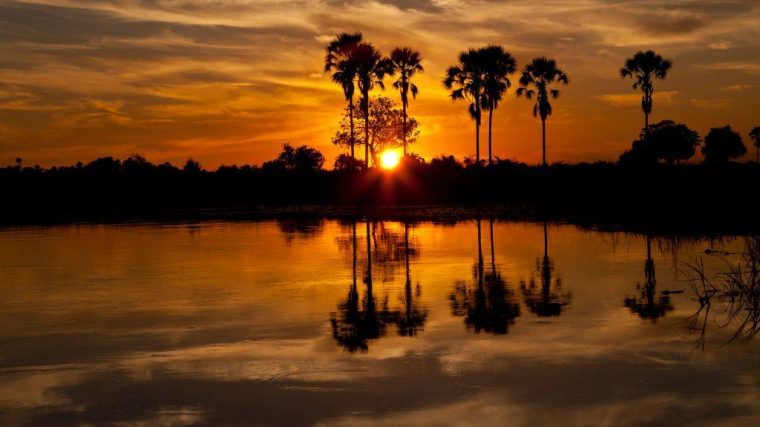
[229, 81]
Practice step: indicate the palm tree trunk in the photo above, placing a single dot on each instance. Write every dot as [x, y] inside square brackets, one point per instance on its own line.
[366, 131]
[543, 139]
[351, 121]
[404, 130]
[477, 134]
[646, 124]
[490, 125]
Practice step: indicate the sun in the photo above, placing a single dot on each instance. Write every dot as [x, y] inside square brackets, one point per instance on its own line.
[389, 160]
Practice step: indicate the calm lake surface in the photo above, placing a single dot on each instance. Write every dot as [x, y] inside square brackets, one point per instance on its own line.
[330, 323]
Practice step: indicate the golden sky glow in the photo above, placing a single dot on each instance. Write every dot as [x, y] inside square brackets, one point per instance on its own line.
[230, 81]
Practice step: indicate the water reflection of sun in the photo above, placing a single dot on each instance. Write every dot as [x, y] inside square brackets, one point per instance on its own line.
[389, 160]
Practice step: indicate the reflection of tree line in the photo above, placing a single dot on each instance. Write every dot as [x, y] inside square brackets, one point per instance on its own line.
[360, 320]
[488, 304]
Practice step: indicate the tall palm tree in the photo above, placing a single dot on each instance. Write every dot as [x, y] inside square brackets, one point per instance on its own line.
[536, 80]
[755, 135]
[644, 67]
[407, 63]
[338, 59]
[499, 65]
[371, 68]
[467, 80]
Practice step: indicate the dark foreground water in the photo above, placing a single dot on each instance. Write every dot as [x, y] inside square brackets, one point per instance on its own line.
[340, 323]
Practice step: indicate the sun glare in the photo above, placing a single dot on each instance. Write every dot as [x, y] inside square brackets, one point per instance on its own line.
[389, 159]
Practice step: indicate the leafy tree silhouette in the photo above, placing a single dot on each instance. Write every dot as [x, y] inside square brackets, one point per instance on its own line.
[723, 144]
[406, 62]
[386, 128]
[536, 80]
[644, 67]
[296, 159]
[667, 140]
[755, 135]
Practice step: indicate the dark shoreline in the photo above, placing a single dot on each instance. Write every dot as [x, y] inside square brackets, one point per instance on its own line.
[656, 200]
[444, 214]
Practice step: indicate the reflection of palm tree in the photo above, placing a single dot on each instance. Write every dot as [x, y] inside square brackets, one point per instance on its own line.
[490, 307]
[647, 304]
[412, 318]
[356, 323]
[550, 299]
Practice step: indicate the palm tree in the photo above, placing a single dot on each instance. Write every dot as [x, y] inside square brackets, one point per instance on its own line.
[371, 68]
[468, 81]
[499, 65]
[755, 135]
[407, 63]
[644, 67]
[536, 80]
[338, 59]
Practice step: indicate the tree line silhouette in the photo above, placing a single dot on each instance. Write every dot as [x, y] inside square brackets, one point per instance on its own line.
[488, 305]
[630, 196]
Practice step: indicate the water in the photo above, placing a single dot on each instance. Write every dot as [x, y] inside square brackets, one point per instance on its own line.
[259, 323]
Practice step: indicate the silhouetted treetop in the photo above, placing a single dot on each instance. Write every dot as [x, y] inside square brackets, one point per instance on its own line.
[755, 135]
[667, 140]
[301, 159]
[723, 144]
